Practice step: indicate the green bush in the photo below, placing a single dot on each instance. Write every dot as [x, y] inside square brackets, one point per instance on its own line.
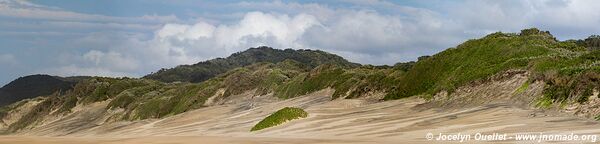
[154, 108]
[563, 87]
[319, 78]
[544, 102]
[279, 117]
[470, 61]
[69, 103]
[121, 101]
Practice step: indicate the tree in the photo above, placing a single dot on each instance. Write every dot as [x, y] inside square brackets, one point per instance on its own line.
[592, 42]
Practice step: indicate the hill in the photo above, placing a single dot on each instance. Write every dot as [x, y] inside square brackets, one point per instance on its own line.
[564, 64]
[33, 86]
[205, 70]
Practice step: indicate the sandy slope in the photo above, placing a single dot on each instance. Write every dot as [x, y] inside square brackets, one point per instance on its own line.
[338, 121]
[168, 140]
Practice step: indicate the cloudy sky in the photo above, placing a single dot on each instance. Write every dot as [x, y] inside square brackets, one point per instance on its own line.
[135, 37]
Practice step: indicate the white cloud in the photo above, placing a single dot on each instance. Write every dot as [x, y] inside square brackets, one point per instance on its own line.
[111, 60]
[358, 30]
[575, 14]
[257, 28]
[254, 29]
[94, 56]
[73, 70]
[183, 32]
[7, 59]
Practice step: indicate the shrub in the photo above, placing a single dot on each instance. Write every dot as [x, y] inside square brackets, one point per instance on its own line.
[279, 117]
[121, 101]
[69, 103]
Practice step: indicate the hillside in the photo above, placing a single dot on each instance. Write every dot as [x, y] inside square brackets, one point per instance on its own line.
[207, 69]
[33, 86]
[507, 71]
[475, 60]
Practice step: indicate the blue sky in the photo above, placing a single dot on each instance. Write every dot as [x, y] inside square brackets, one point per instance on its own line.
[136, 37]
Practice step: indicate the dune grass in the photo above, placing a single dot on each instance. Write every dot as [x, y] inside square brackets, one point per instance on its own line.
[523, 87]
[280, 117]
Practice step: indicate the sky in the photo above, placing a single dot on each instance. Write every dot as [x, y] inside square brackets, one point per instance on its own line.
[136, 37]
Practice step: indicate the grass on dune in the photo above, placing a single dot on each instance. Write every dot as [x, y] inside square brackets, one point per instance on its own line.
[279, 117]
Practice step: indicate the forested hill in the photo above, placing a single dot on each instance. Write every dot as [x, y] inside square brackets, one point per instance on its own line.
[33, 86]
[207, 69]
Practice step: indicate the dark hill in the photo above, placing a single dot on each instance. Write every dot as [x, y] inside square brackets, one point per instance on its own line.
[33, 86]
[207, 69]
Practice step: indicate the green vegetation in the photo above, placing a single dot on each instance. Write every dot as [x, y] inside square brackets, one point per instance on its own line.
[5, 110]
[592, 42]
[33, 86]
[36, 113]
[348, 83]
[471, 61]
[577, 87]
[523, 87]
[68, 103]
[544, 102]
[567, 67]
[205, 70]
[280, 117]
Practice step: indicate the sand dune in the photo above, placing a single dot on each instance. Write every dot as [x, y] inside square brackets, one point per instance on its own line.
[338, 121]
[363, 120]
